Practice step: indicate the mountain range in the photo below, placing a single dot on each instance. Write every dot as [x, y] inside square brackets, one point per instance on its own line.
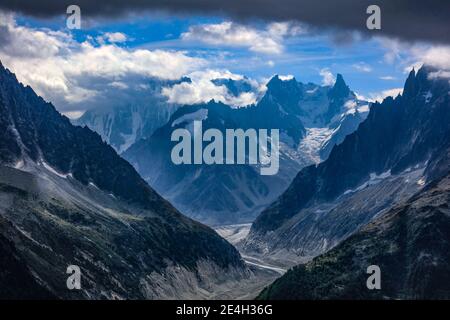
[132, 119]
[410, 244]
[359, 184]
[67, 198]
[383, 163]
[311, 119]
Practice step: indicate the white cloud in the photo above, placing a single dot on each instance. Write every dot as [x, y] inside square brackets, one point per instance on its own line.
[116, 62]
[286, 77]
[202, 89]
[350, 104]
[73, 114]
[119, 85]
[21, 42]
[268, 41]
[437, 56]
[439, 74]
[415, 55]
[416, 66]
[393, 49]
[388, 78]
[361, 97]
[115, 37]
[380, 96]
[112, 37]
[283, 29]
[328, 78]
[75, 76]
[362, 67]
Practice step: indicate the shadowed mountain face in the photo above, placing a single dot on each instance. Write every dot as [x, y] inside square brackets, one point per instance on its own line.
[394, 153]
[33, 129]
[337, 95]
[15, 276]
[67, 198]
[229, 194]
[215, 194]
[410, 244]
[398, 134]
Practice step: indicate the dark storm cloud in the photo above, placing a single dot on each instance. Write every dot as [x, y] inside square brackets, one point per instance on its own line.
[405, 19]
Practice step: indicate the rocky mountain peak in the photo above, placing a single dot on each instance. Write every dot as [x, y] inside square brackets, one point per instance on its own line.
[397, 134]
[279, 87]
[340, 89]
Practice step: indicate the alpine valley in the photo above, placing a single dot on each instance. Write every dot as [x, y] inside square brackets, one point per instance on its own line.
[381, 198]
[311, 119]
[359, 184]
[67, 198]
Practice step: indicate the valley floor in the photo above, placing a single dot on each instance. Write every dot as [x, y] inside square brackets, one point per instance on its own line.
[264, 272]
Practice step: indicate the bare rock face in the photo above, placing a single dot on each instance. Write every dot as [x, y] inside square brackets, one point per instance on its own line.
[399, 148]
[410, 244]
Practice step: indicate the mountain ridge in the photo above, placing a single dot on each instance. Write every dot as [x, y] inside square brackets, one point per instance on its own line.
[285, 105]
[68, 198]
[376, 144]
[410, 245]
